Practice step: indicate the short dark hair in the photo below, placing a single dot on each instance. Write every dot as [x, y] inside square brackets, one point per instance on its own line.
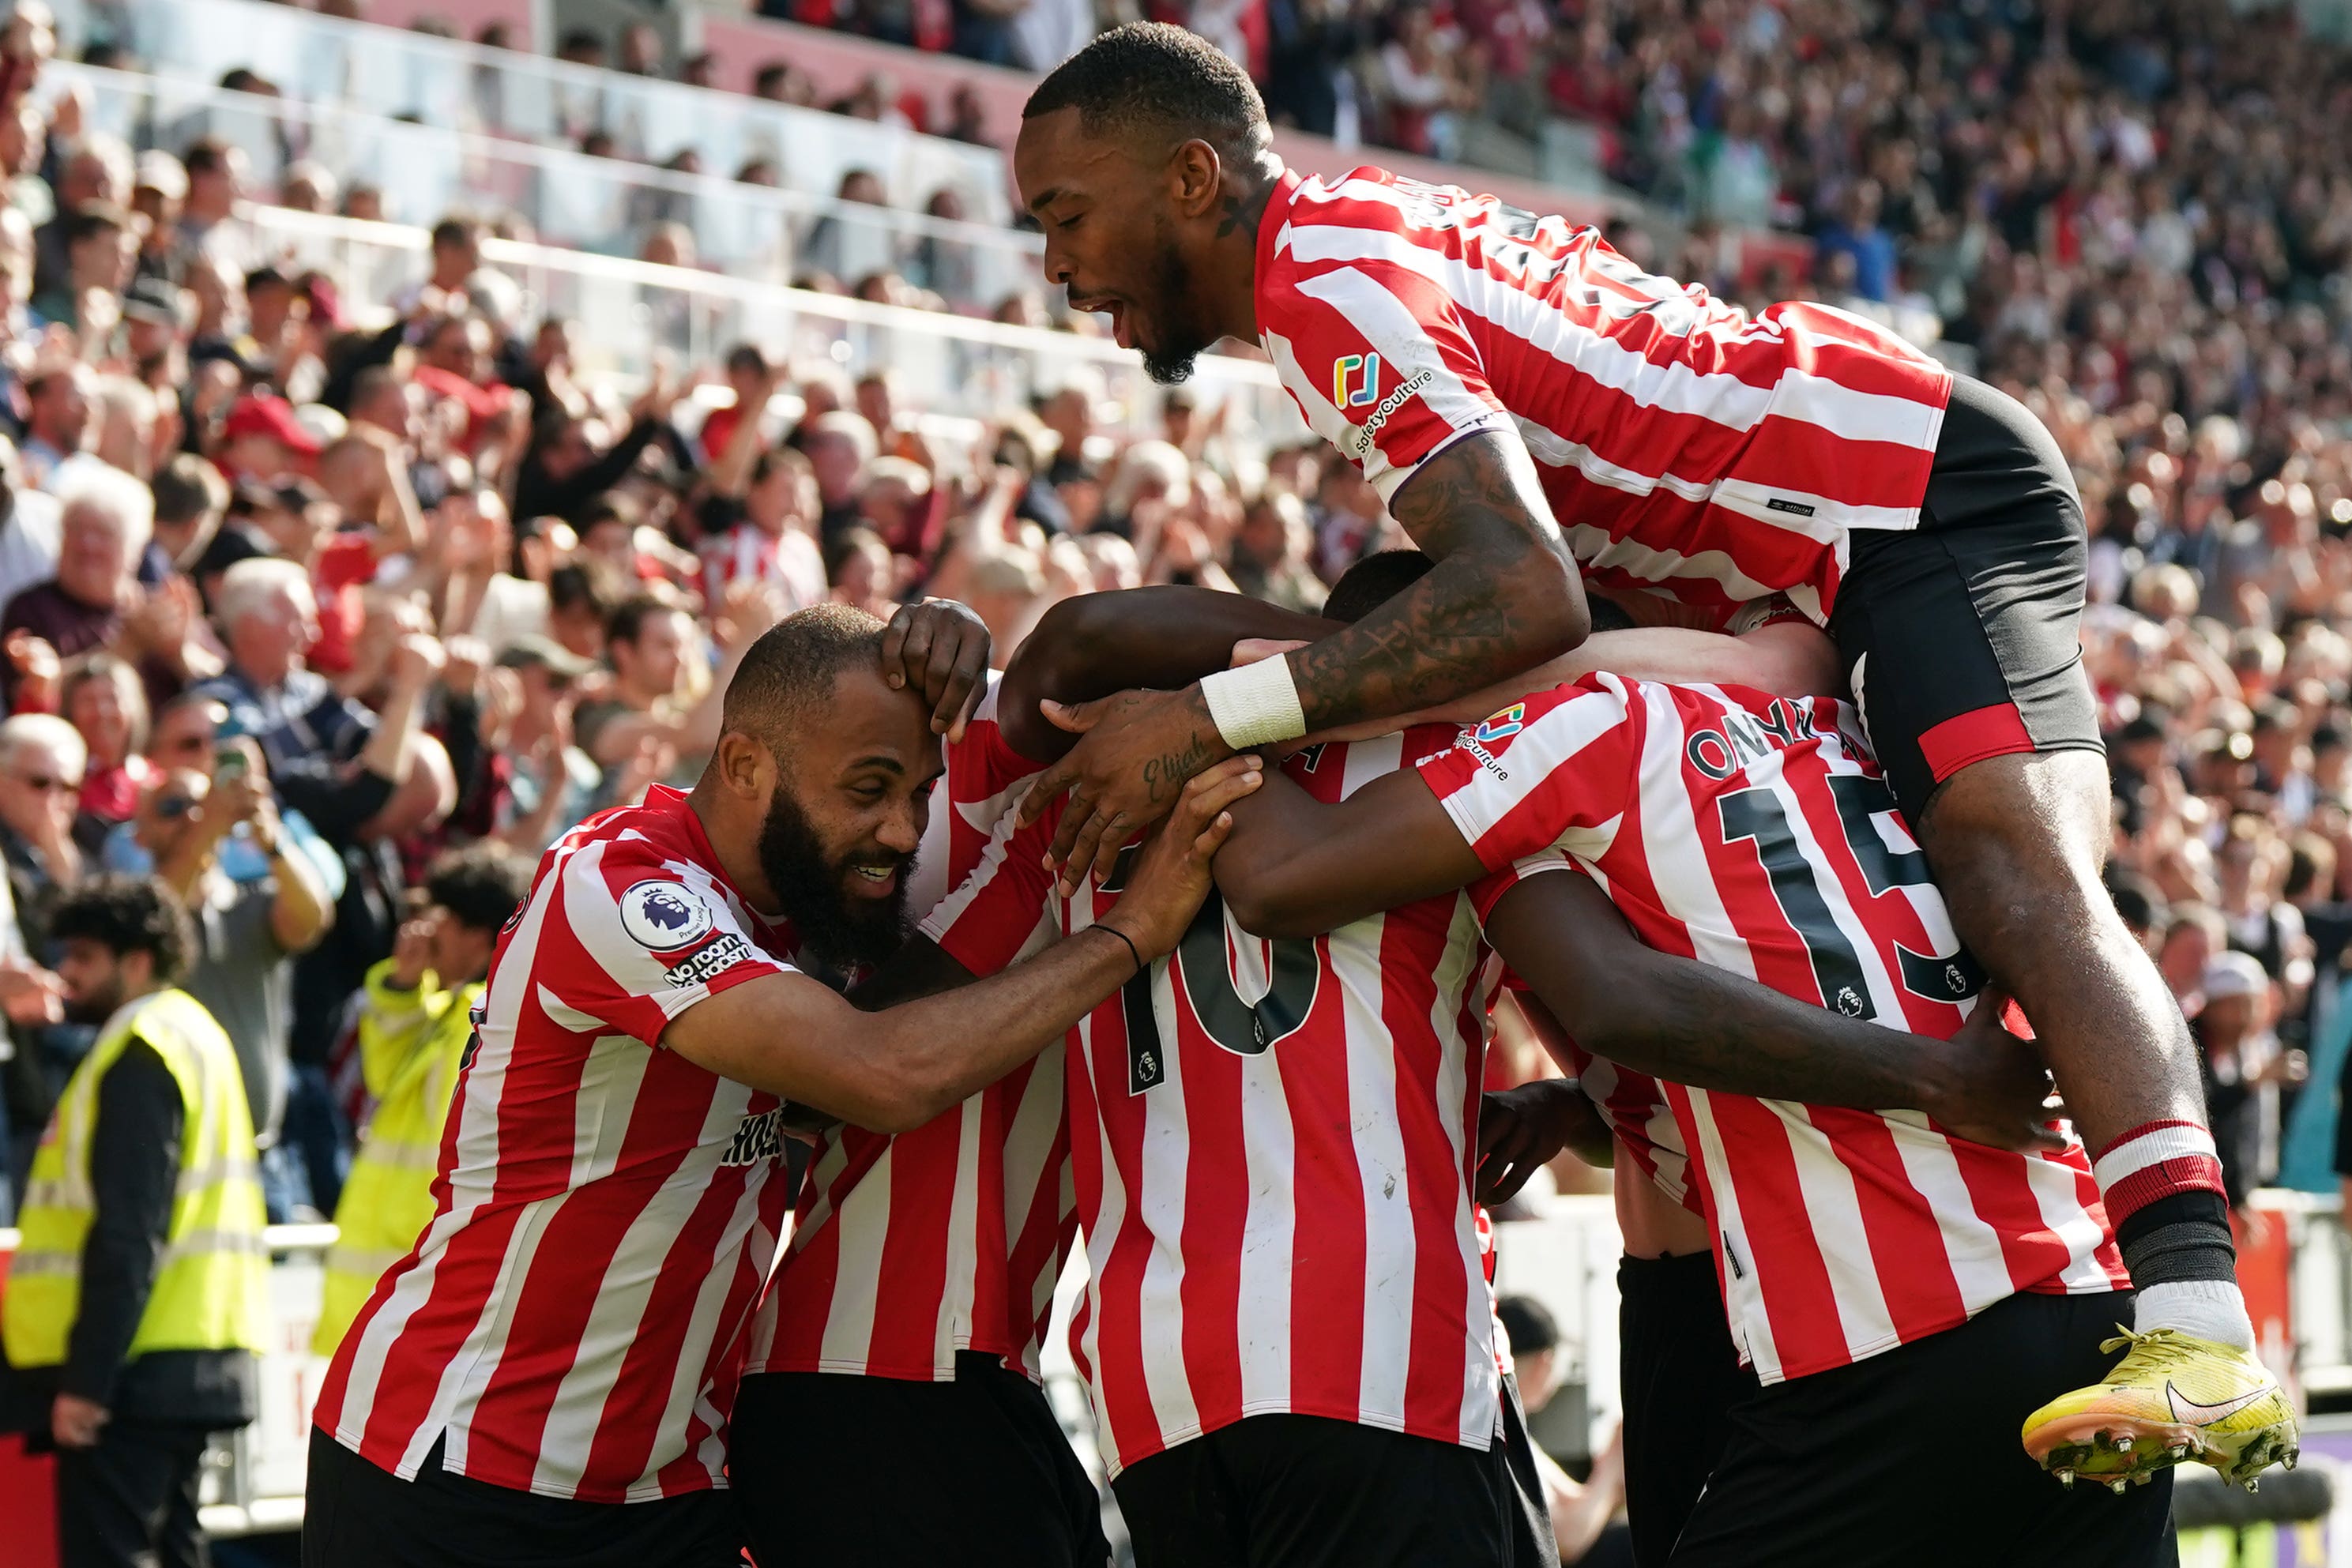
[205, 155]
[128, 914]
[1528, 1324]
[575, 585]
[1373, 581]
[627, 623]
[187, 489]
[747, 357]
[482, 884]
[1153, 75]
[263, 276]
[457, 229]
[94, 217]
[793, 666]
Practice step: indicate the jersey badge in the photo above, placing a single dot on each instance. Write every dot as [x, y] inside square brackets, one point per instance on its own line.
[664, 915]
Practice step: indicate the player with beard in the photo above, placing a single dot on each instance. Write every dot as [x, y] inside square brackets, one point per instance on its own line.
[1286, 1336]
[547, 1376]
[1536, 412]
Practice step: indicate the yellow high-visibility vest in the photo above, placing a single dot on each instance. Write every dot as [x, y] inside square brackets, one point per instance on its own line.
[412, 1044]
[211, 1290]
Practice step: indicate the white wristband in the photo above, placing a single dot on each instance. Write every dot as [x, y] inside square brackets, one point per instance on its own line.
[1255, 704]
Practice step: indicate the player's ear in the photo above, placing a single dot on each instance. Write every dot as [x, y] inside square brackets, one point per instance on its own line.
[1195, 174]
[743, 765]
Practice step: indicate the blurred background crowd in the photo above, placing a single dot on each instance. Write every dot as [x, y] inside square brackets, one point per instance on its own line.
[389, 568]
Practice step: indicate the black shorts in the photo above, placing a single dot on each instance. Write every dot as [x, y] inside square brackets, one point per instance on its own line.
[1960, 638]
[886, 1473]
[356, 1515]
[1679, 1376]
[1911, 1459]
[1301, 1491]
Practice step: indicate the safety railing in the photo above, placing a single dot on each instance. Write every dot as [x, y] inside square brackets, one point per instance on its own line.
[404, 75]
[607, 205]
[630, 314]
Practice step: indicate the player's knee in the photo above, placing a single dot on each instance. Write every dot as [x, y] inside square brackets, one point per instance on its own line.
[2046, 806]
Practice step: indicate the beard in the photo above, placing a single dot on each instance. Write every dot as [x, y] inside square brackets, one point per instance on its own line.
[96, 1005]
[1172, 311]
[843, 930]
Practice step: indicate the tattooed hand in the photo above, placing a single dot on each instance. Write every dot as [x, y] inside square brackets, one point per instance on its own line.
[1140, 748]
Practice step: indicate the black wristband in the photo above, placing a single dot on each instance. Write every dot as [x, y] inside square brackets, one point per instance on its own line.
[1129, 941]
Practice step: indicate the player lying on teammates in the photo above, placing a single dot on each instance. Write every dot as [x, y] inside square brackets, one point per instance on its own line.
[1285, 1332]
[1535, 410]
[546, 1377]
[1904, 1296]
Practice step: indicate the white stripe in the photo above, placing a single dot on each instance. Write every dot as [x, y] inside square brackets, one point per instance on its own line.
[1390, 1244]
[2059, 1198]
[862, 1228]
[1102, 1232]
[1458, 1058]
[1270, 1218]
[1030, 1136]
[689, 1388]
[953, 1330]
[471, 1178]
[1972, 1245]
[1550, 742]
[1751, 1327]
[1834, 1217]
[1164, 1157]
[2150, 1148]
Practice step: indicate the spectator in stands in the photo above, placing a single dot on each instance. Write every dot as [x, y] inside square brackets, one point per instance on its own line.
[640, 52]
[100, 170]
[2245, 1070]
[840, 446]
[562, 473]
[157, 195]
[553, 785]
[102, 697]
[646, 641]
[57, 420]
[30, 537]
[246, 929]
[581, 599]
[456, 258]
[41, 762]
[415, 1024]
[138, 1302]
[101, 250]
[218, 179]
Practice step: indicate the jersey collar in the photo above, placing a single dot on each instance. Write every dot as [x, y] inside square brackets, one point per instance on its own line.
[1276, 219]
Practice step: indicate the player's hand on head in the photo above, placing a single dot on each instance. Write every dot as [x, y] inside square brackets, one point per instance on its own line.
[1134, 752]
[1522, 1130]
[940, 648]
[1170, 875]
[2000, 1092]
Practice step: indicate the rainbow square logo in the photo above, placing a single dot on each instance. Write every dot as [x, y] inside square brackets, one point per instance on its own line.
[1355, 380]
[1502, 726]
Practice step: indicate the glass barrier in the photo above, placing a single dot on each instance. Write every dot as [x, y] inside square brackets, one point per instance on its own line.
[630, 314]
[401, 75]
[606, 205]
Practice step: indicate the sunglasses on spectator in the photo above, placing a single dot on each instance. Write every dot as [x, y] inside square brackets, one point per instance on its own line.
[49, 784]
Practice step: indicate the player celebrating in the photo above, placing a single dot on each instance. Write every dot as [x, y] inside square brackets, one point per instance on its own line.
[546, 1377]
[1491, 371]
[1286, 1313]
[906, 1318]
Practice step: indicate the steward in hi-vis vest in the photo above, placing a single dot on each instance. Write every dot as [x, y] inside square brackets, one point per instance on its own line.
[136, 1297]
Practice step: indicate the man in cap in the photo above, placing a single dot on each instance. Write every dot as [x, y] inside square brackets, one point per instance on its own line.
[262, 439]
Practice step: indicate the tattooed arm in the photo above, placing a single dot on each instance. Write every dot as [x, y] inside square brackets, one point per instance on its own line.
[1503, 598]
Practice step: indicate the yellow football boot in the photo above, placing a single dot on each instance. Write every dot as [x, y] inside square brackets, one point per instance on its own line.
[2171, 1397]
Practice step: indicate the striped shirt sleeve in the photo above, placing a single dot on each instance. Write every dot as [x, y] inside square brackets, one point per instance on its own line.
[1381, 363]
[656, 938]
[1556, 768]
[989, 917]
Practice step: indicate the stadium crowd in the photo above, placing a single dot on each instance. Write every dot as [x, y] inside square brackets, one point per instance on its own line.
[300, 594]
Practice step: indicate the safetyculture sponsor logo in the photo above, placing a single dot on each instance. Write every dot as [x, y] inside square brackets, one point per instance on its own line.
[1371, 429]
[1355, 380]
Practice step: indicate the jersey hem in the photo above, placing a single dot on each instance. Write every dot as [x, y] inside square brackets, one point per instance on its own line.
[700, 1481]
[2053, 1286]
[1113, 1464]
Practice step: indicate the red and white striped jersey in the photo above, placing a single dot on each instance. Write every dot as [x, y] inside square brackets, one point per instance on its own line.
[906, 1250]
[1272, 1146]
[1634, 1105]
[571, 1319]
[1686, 448]
[1755, 833]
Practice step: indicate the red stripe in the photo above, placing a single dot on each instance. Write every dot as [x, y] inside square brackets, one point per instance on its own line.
[913, 1269]
[1907, 1252]
[1971, 736]
[1218, 1195]
[2186, 1173]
